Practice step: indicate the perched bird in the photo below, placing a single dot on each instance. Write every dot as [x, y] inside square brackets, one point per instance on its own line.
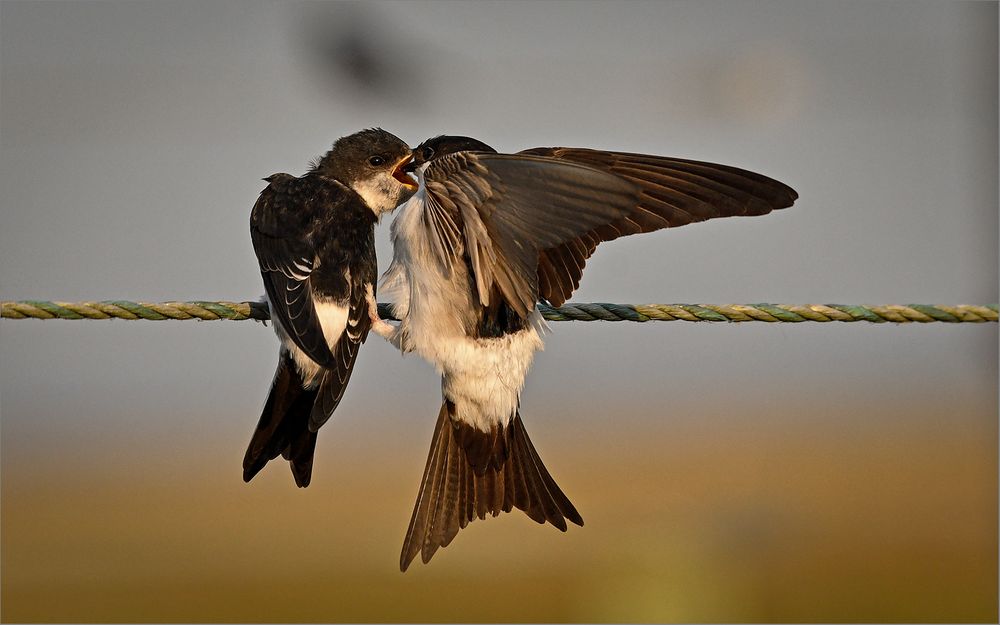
[485, 237]
[314, 238]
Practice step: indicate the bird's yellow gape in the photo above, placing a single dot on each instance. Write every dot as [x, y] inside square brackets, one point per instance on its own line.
[400, 173]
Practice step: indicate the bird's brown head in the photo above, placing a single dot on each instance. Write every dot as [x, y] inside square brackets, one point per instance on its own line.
[373, 163]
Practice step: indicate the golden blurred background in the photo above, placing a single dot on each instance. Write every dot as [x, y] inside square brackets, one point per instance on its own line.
[727, 518]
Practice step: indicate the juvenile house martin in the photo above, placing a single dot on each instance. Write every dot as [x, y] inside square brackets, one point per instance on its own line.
[484, 238]
[314, 237]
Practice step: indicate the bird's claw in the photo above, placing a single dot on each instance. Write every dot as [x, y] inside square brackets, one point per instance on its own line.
[379, 325]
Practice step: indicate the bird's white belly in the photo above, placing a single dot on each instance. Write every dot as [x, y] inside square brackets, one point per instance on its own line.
[484, 377]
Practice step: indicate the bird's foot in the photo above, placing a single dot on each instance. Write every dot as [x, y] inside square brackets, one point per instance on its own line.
[381, 327]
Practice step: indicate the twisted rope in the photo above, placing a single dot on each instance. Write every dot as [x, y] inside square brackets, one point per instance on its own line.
[770, 313]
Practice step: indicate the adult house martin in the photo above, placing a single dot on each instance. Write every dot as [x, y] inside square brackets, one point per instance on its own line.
[484, 238]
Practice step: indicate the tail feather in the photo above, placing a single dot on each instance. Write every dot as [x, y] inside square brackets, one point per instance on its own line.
[283, 428]
[470, 474]
[447, 524]
[557, 503]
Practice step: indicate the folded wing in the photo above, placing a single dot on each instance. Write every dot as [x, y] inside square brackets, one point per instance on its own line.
[345, 352]
[282, 240]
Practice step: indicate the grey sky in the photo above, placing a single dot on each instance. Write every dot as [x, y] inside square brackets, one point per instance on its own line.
[134, 137]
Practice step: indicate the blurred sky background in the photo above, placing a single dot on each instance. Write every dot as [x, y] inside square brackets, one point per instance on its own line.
[741, 472]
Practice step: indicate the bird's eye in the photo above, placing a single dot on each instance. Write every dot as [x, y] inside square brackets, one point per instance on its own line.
[376, 161]
[427, 153]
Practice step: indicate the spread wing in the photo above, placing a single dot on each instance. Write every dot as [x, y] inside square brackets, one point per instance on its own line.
[502, 210]
[282, 229]
[672, 192]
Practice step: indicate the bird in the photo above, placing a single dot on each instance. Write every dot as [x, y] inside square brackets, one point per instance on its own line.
[482, 241]
[314, 237]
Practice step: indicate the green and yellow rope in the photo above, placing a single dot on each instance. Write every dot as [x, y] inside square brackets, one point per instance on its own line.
[769, 313]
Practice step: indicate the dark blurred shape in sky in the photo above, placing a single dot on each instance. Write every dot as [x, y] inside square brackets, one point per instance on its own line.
[348, 48]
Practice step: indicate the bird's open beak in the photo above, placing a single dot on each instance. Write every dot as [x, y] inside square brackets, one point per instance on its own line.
[401, 172]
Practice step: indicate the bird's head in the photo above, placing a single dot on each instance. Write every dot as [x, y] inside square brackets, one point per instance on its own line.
[444, 145]
[373, 163]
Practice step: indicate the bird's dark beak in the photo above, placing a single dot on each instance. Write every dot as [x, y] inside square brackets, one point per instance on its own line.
[401, 172]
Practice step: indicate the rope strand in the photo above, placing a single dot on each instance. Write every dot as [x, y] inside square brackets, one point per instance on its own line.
[769, 313]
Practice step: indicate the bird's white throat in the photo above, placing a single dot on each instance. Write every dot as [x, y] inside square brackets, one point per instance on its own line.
[382, 193]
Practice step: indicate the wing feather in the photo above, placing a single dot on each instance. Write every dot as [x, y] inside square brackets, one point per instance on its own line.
[672, 192]
[512, 207]
[282, 239]
[529, 222]
[345, 353]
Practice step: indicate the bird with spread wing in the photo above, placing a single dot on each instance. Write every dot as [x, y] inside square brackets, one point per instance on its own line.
[485, 237]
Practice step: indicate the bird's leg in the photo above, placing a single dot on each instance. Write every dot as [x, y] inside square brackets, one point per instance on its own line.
[263, 300]
[381, 327]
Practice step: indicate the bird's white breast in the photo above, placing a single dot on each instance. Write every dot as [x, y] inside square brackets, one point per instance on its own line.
[482, 376]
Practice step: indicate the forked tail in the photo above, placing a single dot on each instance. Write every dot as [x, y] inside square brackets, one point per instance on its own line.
[283, 428]
[470, 473]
